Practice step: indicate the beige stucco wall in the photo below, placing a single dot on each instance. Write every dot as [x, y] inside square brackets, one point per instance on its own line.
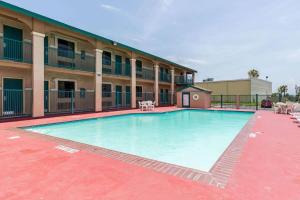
[24, 74]
[261, 87]
[80, 81]
[236, 87]
[53, 74]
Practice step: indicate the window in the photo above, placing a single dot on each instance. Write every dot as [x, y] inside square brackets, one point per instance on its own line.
[82, 92]
[139, 91]
[106, 58]
[106, 90]
[66, 89]
[139, 66]
[82, 55]
[65, 48]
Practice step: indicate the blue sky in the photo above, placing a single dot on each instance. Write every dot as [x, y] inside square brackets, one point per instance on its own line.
[221, 39]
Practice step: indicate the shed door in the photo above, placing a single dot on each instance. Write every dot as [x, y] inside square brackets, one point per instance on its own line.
[186, 100]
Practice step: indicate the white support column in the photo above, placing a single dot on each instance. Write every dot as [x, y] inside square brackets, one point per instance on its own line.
[172, 85]
[38, 74]
[98, 80]
[133, 82]
[193, 78]
[156, 86]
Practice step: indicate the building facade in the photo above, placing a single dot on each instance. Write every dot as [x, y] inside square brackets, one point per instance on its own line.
[247, 87]
[48, 67]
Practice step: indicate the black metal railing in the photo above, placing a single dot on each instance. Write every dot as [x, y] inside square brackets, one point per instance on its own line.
[69, 60]
[57, 102]
[254, 102]
[165, 99]
[119, 69]
[146, 74]
[14, 50]
[184, 80]
[165, 77]
[116, 100]
[15, 103]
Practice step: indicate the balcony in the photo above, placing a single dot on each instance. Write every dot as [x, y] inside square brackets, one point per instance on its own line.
[118, 69]
[146, 74]
[14, 50]
[184, 80]
[165, 77]
[69, 60]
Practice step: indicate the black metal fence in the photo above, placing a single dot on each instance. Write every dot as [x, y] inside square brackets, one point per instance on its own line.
[254, 102]
[57, 102]
[116, 100]
[165, 99]
[15, 103]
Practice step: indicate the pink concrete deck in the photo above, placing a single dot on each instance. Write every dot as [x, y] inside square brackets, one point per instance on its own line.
[31, 168]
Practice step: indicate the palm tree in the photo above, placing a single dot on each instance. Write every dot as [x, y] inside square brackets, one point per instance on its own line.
[283, 89]
[253, 73]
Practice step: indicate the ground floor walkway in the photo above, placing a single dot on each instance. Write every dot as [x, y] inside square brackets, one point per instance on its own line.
[32, 168]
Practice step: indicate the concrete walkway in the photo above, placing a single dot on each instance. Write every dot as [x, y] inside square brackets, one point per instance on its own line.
[32, 168]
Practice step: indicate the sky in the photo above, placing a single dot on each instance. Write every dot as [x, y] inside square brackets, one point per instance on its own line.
[220, 39]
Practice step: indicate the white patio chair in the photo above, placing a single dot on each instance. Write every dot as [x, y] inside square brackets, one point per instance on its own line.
[151, 105]
[143, 105]
[289, 107]
[277, 108]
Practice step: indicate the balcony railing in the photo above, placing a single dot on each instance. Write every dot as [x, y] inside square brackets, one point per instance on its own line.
[183, 80]
[119, 69]
[164, 77]
[14, 50]
[145, 74]
[69, 60]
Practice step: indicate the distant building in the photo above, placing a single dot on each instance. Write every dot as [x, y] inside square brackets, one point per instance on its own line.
[238, 87]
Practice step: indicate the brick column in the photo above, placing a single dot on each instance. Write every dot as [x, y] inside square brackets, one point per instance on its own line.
[38, 74]
[156, 87]
[98, 80]
[172, 85]
[133, 82]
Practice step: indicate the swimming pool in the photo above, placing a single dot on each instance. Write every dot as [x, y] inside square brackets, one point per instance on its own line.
[189, 138]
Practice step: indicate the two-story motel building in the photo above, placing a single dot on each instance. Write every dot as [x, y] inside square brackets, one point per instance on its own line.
[48, 67]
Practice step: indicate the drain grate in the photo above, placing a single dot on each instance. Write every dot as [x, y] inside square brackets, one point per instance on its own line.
[66, 149]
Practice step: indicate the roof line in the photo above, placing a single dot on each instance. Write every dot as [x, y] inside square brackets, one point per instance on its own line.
[86, 33]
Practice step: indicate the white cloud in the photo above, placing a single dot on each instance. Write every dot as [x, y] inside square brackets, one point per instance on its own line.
[110, 7]
[188, 61]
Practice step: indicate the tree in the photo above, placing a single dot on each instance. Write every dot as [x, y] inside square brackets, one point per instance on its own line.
[283, 90]
[297, 88]
[253, 73]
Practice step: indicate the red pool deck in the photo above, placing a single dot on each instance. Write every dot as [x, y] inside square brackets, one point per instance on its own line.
[32, 168]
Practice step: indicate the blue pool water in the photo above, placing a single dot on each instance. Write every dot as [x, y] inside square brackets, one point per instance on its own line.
[190, 138]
